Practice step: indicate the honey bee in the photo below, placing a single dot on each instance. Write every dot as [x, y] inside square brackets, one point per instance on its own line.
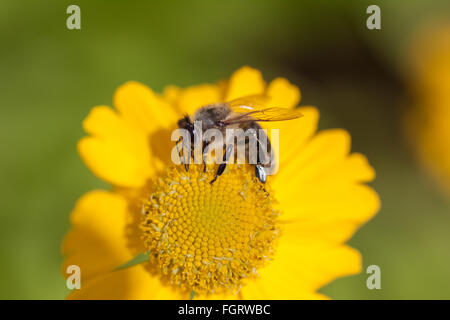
[243, 113]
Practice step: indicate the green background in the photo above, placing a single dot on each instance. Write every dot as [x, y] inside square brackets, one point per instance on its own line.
[50, 77]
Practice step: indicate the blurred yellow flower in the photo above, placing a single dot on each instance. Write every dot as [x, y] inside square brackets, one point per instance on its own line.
[232, 239]
[428, 125]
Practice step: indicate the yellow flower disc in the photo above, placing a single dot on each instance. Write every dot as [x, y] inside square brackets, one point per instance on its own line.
[207, 237]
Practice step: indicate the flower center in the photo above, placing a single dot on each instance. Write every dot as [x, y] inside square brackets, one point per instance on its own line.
[207, 237]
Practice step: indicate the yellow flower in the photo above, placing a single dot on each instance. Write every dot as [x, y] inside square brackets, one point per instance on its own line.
[428, 125]
[235, 238]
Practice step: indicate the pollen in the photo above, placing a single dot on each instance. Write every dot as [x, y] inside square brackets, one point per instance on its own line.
[210, 238]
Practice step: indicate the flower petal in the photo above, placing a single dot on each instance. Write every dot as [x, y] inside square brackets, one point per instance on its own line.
[128, 284]
[354, 167]
[317, 209]
[116, 151]
[171, 94]
[125, 148]
[308, 162]
[192, 98]
[326, 200]
[97, 242]
[141, 107]
[292, 136]
[244, 82]
[297, 271]
[283, 94]
[326, 149]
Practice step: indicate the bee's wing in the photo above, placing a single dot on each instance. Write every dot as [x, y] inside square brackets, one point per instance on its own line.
[248, 103]
[253, 108]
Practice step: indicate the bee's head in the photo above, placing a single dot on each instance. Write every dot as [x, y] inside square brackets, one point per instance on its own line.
[186, 123]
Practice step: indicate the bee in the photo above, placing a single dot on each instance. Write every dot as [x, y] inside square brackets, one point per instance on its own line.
[243, 113]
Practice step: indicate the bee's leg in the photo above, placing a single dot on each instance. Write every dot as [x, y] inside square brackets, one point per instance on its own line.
[223, 165]
[220, 170]
[260, 173]
[204, 151]
[182, 155]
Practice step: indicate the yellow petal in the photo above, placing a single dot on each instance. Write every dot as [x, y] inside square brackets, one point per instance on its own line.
[139, 106]
[354, 167]
[328, 212]
[308, 162]
[133, 283]
[166, 292]
[320, 190]
[333, 231]
[192, 98]
[222, 296]
[244, 82]
[331, 202]
[125, 148]
[97, 242]
[171, 93]
[258, 291]
[292, 136]
[283, 94]
[297, 271]
[116, 151]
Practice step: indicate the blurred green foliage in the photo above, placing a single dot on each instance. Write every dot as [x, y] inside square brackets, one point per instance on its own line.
[52, 76]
